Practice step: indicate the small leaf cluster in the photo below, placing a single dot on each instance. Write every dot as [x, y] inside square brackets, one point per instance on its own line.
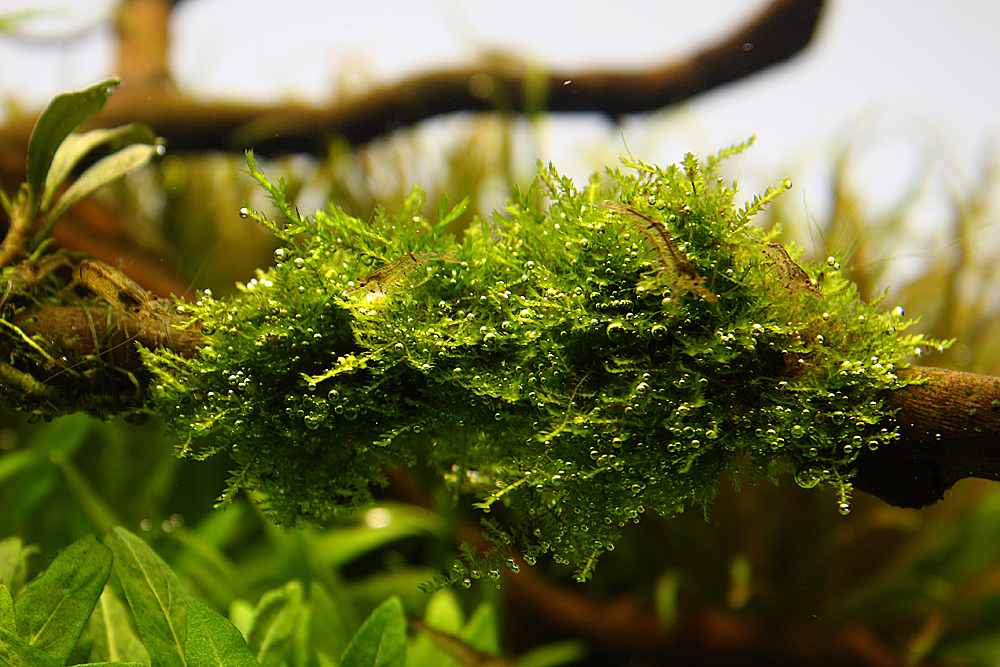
[554, 362]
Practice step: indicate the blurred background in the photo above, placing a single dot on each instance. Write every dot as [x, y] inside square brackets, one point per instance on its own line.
[885, 120]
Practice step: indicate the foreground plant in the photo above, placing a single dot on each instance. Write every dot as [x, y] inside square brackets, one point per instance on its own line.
[70, 614]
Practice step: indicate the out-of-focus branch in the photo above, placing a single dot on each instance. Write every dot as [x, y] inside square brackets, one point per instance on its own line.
[783, 29]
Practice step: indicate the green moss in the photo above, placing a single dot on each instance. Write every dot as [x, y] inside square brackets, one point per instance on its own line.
[588, 355]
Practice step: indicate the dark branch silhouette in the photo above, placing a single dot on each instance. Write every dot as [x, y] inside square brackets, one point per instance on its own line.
[783, 29]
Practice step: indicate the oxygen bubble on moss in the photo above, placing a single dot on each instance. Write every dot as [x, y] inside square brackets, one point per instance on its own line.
[810, 475]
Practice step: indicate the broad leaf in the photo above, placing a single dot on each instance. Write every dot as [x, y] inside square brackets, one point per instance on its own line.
[381, 641]
[156, 596]
[443, 614]
[112, 633]
[15, 652]
[76, 146]
[13, 557]
[331, 620]
[273, 627]
[6, 610]
[375, 527]
[52, 610]
[63, 115]
[212, 641]
[102, 172]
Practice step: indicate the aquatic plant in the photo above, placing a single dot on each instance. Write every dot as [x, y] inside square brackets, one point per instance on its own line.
[587, 355]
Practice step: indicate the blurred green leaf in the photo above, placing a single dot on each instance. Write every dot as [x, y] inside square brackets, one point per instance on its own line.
[53, 609]
[76, 146]
[97, 510]
[102, 172]
[375, 527]
[332, 621]
[13, 563]
[381, 641]
[112, 633]
[443, 613]
[6, 610]
[156, 596]
[550, 655]
[214, 641]
[63, 115]
[481, 632]
[274, 622]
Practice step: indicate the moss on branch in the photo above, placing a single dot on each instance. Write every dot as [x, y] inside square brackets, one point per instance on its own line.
[589, 354]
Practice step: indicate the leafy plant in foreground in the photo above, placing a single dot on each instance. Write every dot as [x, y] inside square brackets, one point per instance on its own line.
[69, 615]
[588, 355]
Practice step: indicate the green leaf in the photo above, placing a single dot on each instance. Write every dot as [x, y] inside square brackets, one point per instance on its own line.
[549, 655]
[444, 614]
[76, 146]
[381, 641]
[332, 620]
[13, 561]
[376, 527]
[15, 652]
[63, 115]
[102, 172]
[212, 641]
[112, 633]
[6, 610]
[273, 627]
[156, 596]
[52, 610]
[481, 630]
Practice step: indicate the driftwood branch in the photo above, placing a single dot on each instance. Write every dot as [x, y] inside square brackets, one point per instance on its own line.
[949, 429]
[949, 426]
[782, 29]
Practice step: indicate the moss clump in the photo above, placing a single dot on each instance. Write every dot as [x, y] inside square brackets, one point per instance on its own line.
[588, 355]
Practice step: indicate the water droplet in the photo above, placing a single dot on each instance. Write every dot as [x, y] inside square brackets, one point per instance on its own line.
[809, 475]
[844, 508]
[616, 331]
[244, 213]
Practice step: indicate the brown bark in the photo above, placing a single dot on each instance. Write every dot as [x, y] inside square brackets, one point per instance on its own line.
[948, 430]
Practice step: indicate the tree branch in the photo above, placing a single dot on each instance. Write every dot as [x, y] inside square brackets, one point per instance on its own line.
[783, 29]
[948, 430]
